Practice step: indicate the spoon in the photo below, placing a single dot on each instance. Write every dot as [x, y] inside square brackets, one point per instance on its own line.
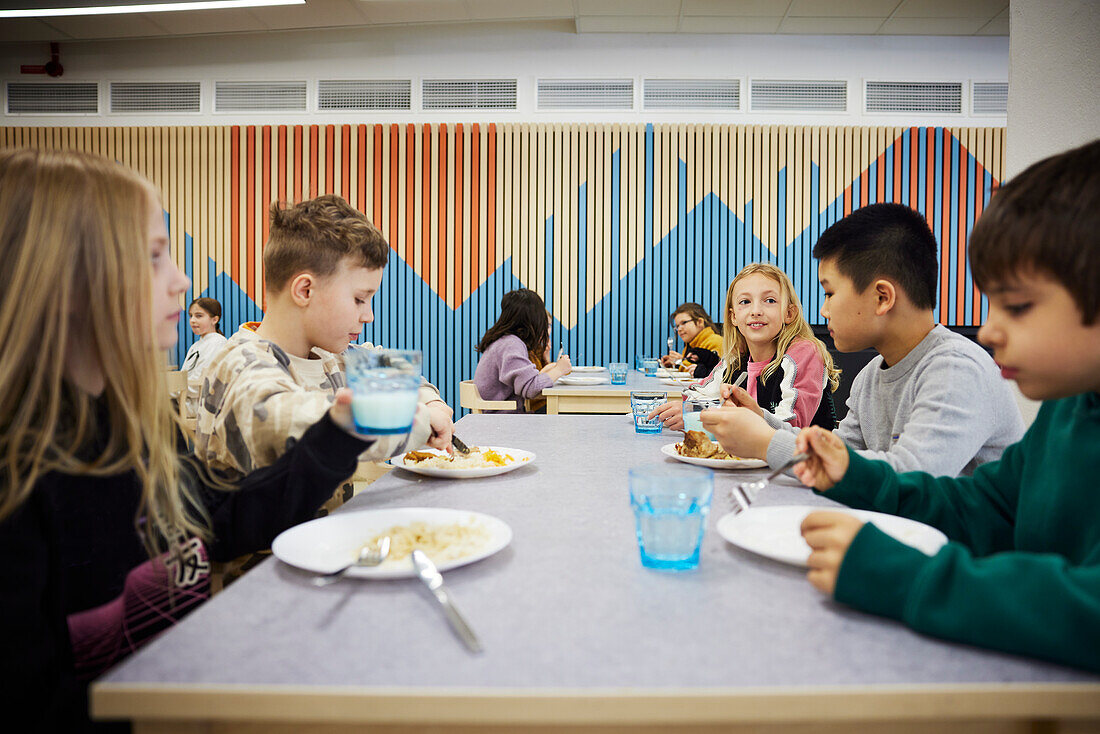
[367, 557]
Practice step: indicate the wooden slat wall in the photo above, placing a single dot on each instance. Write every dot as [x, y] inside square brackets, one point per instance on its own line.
[613, 224]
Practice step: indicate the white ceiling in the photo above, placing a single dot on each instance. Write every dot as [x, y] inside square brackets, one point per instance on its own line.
[848, 17]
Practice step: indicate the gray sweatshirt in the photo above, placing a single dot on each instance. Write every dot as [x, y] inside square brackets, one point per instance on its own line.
[943, 409]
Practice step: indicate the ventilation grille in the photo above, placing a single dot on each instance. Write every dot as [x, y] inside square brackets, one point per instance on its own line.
[990, 98]
[469, 94]
[364, 94]
[259, 96]
[53, 98]
[586, 94]
[692, 94]
[940, 97]
[155, 97]
[799, 96]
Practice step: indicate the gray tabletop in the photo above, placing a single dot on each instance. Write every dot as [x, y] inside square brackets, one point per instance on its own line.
[567, 604]
[635, 380]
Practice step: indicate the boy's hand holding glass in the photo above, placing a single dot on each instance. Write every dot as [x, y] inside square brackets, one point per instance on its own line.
[671, 414]
[829, 535]
[740, 431]
[340, 412]
[828, 462]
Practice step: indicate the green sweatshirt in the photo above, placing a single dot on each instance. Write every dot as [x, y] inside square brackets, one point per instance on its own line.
[1022, 570]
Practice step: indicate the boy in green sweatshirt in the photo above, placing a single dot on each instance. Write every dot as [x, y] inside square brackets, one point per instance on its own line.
[1021, 572]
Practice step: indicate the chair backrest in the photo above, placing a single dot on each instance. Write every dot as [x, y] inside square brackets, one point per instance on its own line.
[177, 389]
[469, 397]
[177, 381]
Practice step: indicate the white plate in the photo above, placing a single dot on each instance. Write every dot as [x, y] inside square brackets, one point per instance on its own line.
[519, 456]
[592, 368]
[328, 543]
[669, 450]
[774, 532]
[583, 380]
[677, 382]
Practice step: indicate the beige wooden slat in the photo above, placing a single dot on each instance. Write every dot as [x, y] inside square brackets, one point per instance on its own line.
[465, 245]
[452, 236]
[436, 238]
[539, 165]
[606, 209]
[527, 191]
[628, 209]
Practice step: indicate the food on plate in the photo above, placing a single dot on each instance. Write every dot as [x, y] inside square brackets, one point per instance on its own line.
[696, 445]
[440, 542]
[478, 458]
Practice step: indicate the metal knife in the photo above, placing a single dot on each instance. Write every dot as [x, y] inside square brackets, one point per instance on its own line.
[434, 581]
[459, 445]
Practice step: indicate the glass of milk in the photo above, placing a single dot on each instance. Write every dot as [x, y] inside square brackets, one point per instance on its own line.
[384, 385]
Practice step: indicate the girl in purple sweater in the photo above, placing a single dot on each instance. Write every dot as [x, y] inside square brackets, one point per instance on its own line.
[511, 348]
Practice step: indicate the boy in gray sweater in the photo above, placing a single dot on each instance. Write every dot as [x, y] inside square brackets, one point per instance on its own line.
[932, 400]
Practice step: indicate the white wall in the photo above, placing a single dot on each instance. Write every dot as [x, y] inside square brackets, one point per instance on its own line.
[1053, 105]
[1054, 92]
[528, 51]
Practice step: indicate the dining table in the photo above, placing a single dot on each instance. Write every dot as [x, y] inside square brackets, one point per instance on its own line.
[566, 396]
[576, 634]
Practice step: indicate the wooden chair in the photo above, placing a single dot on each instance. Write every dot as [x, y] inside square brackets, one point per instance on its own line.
[177, 389]
[469, 397]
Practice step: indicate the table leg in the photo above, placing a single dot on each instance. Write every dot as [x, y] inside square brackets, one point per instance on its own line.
[551, 405]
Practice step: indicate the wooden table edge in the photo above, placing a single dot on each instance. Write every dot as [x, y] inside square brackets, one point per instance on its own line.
[228, 702]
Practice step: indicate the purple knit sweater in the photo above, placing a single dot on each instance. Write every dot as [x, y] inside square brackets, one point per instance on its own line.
[505, 372]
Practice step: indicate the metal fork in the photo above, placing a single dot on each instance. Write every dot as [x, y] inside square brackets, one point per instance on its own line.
[367, 557]
[744, 493]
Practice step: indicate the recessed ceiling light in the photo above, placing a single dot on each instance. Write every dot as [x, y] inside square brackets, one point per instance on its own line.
[144, 8]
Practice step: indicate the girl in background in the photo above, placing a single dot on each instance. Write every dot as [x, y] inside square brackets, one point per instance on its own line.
[790, 373]
[508, 368]
[702, 340]
[205, 316]
[107, 534]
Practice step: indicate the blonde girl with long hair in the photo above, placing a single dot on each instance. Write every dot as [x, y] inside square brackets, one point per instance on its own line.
[790, 373]
[107, 533]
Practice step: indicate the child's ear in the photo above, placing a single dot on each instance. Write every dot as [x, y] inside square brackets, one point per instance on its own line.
[886, 295]
[790, 314]
[301, 289]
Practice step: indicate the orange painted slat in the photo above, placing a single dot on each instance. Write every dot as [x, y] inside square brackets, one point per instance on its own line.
[460, 236]
[376, 208]
[345, 161]
[250, 211]
[491, 204]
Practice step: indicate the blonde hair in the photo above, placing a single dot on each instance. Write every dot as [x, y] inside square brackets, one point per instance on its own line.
[734, 346]
[80, 223]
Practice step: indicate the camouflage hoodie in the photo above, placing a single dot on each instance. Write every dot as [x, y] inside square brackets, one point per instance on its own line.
[255, 403]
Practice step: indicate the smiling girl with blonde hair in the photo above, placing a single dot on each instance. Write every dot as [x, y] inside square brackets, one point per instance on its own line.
[107, 533]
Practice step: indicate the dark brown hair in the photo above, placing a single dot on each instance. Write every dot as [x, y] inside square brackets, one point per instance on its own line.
[697, 313]
[522, 313]
[1047, 219]
[888, 241]
[212, 307]
[315, 236]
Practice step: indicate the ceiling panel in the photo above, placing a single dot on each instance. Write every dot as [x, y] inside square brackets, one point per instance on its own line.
[628, 7]
[842, 8]
[624, 24]
[317, 14]
[414, 11]
[109, 26]
[507, 9]
[28, 29]
[950, 8]
[996, 27]
[831, 26]
[704, 24]
[932, 26]
[734, 7]
[212, 21]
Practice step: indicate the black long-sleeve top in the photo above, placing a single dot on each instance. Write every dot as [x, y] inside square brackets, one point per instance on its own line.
[78, 591]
